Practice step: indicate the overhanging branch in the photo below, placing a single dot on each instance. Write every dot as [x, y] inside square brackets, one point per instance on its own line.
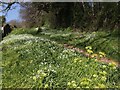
[6, 6]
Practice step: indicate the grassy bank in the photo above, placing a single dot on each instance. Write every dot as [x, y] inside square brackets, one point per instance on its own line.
[100, 40]
[31, 61]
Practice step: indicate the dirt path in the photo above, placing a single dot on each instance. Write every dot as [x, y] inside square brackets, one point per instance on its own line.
[104, 59]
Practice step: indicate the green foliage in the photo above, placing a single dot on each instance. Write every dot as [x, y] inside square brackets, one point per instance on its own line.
[86, 16]
[24, 31]
[31, 62]
[100, 40]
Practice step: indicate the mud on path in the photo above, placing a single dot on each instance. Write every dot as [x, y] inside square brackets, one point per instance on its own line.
[104, 59]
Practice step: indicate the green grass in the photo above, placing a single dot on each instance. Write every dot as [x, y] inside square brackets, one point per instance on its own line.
[29, 61]
[100, 40]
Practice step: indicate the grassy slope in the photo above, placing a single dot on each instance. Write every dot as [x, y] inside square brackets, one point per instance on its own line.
[30, 61]
[100, 41]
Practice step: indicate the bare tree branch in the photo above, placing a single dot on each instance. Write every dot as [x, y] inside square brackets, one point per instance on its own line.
[7, 6]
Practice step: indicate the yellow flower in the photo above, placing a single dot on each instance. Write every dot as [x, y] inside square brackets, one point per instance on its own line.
[94, 55]
[88, 47]
[114, 67]
[101, 85]
[104, 66]
[80, 60]
[74, 85]
[103, 78]
[34, 78]
[102, 54]
[38, 71]
[96, 87]
[75, 60]
[96, 60]
[86, 87]
[44, 74]
[95, 75]
[112, 64]
[84, 83]
[45, 68]
[103, 73]
[68, 83]
[73, 82]
[31, 61]
[89, 51]
[46, 85]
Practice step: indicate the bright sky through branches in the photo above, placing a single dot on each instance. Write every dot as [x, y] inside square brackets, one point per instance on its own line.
[13, 14]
